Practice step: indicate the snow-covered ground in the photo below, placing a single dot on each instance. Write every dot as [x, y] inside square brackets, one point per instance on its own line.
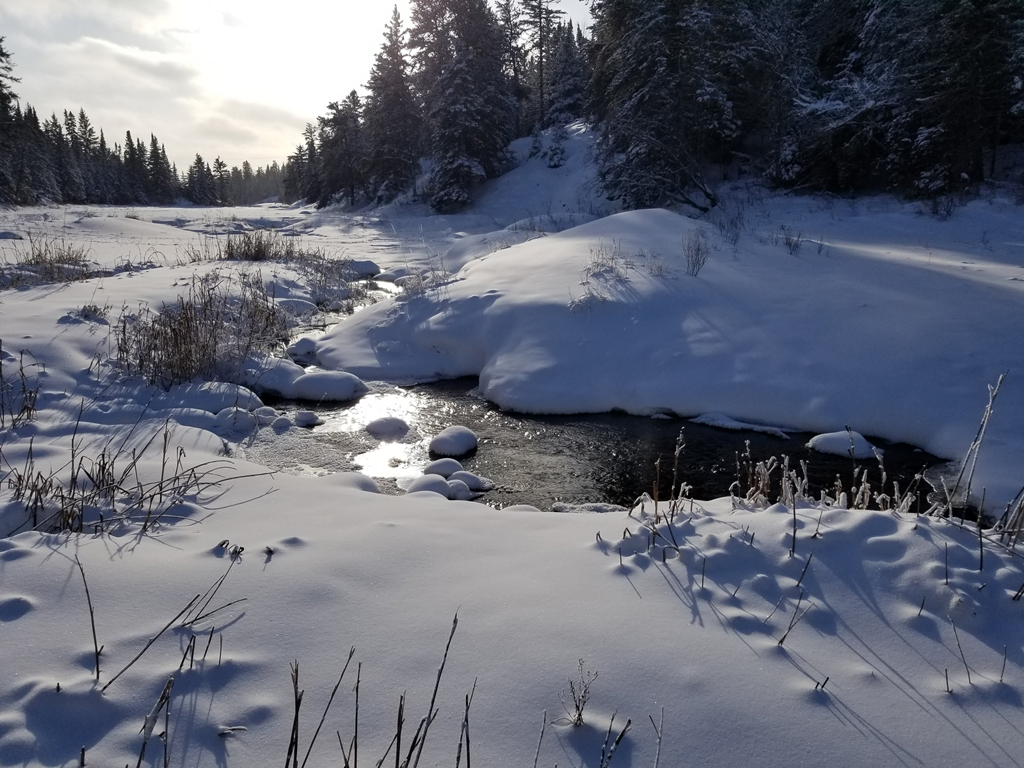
[810, 313]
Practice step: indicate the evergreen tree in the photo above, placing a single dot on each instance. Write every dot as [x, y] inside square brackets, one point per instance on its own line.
[163, 184]
[392, 121]
[343, 151]
[568, 82]
[538, 21]
[472, 109]
[514, 54]
[660, 92]
[223, 179]
[8, 125]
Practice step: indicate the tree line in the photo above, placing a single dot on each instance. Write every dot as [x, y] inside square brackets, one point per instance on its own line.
[912, 96]
[456, 87]
[67, 160]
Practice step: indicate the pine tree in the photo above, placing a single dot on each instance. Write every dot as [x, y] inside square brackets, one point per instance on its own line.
[514, 55]
[223, 179]
[539, 18]
[343, 151]
[568, 82]
[661, 94]
[472, 109]
[8, 126]
[392, 121]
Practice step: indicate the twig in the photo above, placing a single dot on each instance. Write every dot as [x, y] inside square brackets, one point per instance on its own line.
[351, 653]
[804, 571]
[215, 610]
[92, 621]
[153, 717]
[464, 735]
[658, 730]
[293, 741]
[962, 657]
[1003, 671]
[437, 684]
[152, 640]
[606, 752]
[208, 641]
[543, 726]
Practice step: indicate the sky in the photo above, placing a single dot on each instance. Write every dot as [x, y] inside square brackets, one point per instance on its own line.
[237, 79]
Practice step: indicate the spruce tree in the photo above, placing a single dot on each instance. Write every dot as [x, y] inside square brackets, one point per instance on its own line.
[568, 82]
[391, 118]
[472, 109]
[342, 151]
[539, 18]
[660, 92]
[8, 126]
[223, 179]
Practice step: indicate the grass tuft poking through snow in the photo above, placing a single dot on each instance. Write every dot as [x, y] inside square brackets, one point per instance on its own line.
[207, 333]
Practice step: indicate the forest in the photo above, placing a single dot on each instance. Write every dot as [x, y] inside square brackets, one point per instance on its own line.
[916, 97]
[68, 160]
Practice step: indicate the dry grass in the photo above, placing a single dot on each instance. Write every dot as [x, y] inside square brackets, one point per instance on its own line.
[208, 333]
[44, 261]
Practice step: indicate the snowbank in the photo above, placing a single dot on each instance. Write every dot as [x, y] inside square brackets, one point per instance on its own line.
[604, 316]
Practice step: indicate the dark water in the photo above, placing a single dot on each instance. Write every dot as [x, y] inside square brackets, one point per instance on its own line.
[541, 460]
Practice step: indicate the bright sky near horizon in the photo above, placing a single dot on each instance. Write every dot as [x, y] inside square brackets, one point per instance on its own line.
[234, 78]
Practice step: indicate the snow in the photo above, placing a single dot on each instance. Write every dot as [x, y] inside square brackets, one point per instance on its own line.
[471, 481]
[722, 421]
[307, 419]
[844, 443]
[833, 648]
[604, 316]
[443, 467]
[388, 428]
[454, 441]
[327, 386]
[430, 483]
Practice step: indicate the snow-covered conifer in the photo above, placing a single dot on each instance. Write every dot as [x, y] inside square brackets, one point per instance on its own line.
[391, 118]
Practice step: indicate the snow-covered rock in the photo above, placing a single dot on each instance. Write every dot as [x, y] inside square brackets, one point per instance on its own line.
[270, 375]
[459, 491]
[237, 420]
[303, 350]
[443, 467]
[327, 387]
[432, 483]
[454, 441]
[473, 482]
[842, 443]
[307, 419]
[388, 428]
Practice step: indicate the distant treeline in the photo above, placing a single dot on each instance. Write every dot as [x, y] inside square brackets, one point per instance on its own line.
[68, 161]
[912, 96]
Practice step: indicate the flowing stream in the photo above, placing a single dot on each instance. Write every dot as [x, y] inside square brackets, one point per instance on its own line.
[542, 460]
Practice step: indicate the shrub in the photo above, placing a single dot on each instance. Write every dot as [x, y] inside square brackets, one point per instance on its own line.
[697, 252]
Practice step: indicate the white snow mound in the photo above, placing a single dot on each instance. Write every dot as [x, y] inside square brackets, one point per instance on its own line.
[454, 441]
[388, 428]
[842, 444]
[446, 468]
